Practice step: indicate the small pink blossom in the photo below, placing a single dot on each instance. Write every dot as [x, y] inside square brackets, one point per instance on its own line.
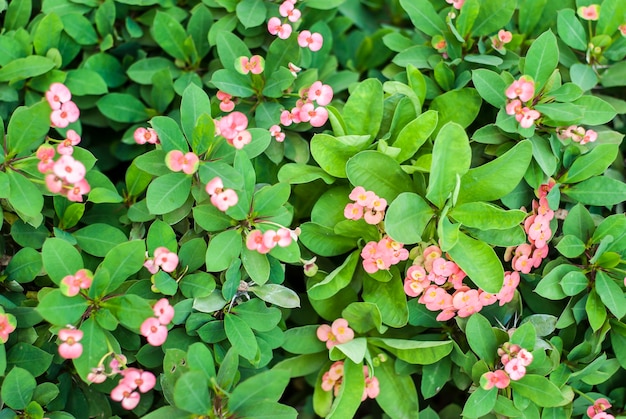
[275, 131]
[145, 135]
[97, 375]
[118, 361]
[58, 94]
[622, 29]
[514, 107]
[166, 260]
[125, 394]
[226, 103]
[589, 137]
[591, 12]
[372, 388]
[280, 237]
[7, 326]
[72, 284]
[361, 196]
[515, 369]
[276, 27]
[135, 378]
[154, 331]
[524, 88]
[288, 10]
[313, 41]
[163, 311]
[255, 241]
[71, 348]
[66, 146]
[76, 191]
[69, 169]
[320, 93]
[342, 331]
[527, 117]
[225, 199]
[254, 64]
[325, 334]
[54, 183]
[600, 405]
[230, 125]
[373, 217]
[497, 378]
[241, 139]
[214, 186]
[177, 161]
[315, 116]
[65, 115]
[505, 36]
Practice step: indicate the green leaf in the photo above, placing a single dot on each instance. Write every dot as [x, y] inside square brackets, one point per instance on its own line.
[571, 246]
[349, 398]
[398, 395]
[168, 192]
[414, 135]
[571, 30]
[233, 83]
[170, 135]
[479, 261]
[195, 102]
[530, 14]
[599, 191]
[25, 68]
[414, 351]
[24, 266]
[490, 86]
[267, 409]
[335, 281]
[222, 250]
[25, 198]
[323, 241]
[493, 15]
[406, 218]
[276, 294]
[296, 173]
[332, 153]
[539, 390]
[495, 179]
[486, 216]
[121, 262]
[524, 336]
[27, 128]
[379, 173]
[251, 13]
[596, 312]
[390, 299]
[99, 238]
[31, 358]
[79, 28]
[256, 265]
[596, 111]
[365, 119]
[460, 106]
[363, 317]
[122, 107]
[549, 287]
[481, 338]
[94, 343]
[191, 393]
[267, 385]
[542, 58]
[611, 294]
[303, 340]
[480, 402]
[143, 70]
[613, 12]
[60, 310]
[60, 259]
[423, 15]
[170, 35]
[591, 164]
[18, 388]
[240, 336]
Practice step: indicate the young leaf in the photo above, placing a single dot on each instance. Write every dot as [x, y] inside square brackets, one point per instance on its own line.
[195, 102]
[222, 249]
[365, 119]
[542, 58]
[481, 338]
[335, 281]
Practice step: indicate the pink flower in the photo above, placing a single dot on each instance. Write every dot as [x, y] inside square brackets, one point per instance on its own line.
[325, 334]
[313, 41]
[125, 394]
[225, 199]
[275, 131]
[69, 169]
[430, 254]
[280, 237]
[497, 378]
[600, 405]
[327, 382]
[117, 362]
[457, 4]
[226, 103]
[295, 69]
[353, 211]
[232, 124]
[372, 388]
[361, 196]
[166, 260]
[276, 27]
[321, 93]
[76, 191]
[527, 117]
[71, 348]
[591, 12]
[514, 107]
[288, 10]
[66, 146]
[603, 415]
[589, 137]
[145, 135]
[135, 378]
[177, 161]
[154, 331]
[515, 369]
[505, 36]
[214, 186]
[65, 115]
[522, 88]
[72, 284]
[255, 241]
[622, 29]
[373, 217]
[58, 94]
[163, 311]
[97, 375]
[241, 139]
[7, 326]
[342, 331]
[524, 357]
[252, 65]
[54, 183]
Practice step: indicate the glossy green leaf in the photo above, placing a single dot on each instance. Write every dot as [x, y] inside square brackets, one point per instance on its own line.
[611, 294]
[276, 294]
[79, 28]
[60, 310]
[539, 390]
[571, 30]
[122, 107]
[24, 68]
[530, 13]
[486, 216]
[17, 388]
[267, 409]
[481, 337]
[60, 259]
[613, 12]
[379, 173]
[479, 261]
[595, 309]
[323, 241]
[415, 351]
[490, 86]
[251, 13]
[542, 58]
[571, 246]
[195, 102]
[99, 238]
[349, 398]
[493, 15]
[191, 393]
[591, 164]
[460, 106]
[240, 336]
[170, 35]
[332, 153]
[121, 262]
[256, 265]
[424, 17]
[596, 110]
[390, 299]
[170, 135]
[94, 343]
[480, 402]
[24, 266]
[406, 218]
[599, 191]
[414, 135]
[168, 192]
[222, 249]
[27, 127]
[335, 281]
[363, 317]
[365, 120]
[233, 83]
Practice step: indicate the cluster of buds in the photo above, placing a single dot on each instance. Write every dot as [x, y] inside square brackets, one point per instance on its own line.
[332, 380]
[178, 161]
[283, 29]
[70, 347]
[221, 198]
[382, 254]
[597, 409]
[366, 205]
[233, 127]
[72, 284]
[537, 226]
[502, 38]
[66, 175]
[145, 135]
[520, 93]
[163, 259]
[432, 277]
[64, 110]
[514, 360]
[577, 134]
[335, 334]
[154, 329]
[7, 326]
[306, 110]
[264, 242]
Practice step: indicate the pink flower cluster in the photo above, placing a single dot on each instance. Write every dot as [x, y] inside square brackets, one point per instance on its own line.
[70, 348]
[502, 38]
[537, 226]
[66, 175]
[264, 242]
[233, 127]
[275, 131]
[332, 380]
[64, 111]
[226, 102]
[283, 29]
[126, 390]
[335, 334]
[220, 197]
[176, 161]
[577, 134]
[519, 93]
[154, 329]
[146, 135]
[597, 409]
[7, 326]
[382, 254]
[366, 205]
[72, 284]
[514, 359]
[306, 110]
[164, 259]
